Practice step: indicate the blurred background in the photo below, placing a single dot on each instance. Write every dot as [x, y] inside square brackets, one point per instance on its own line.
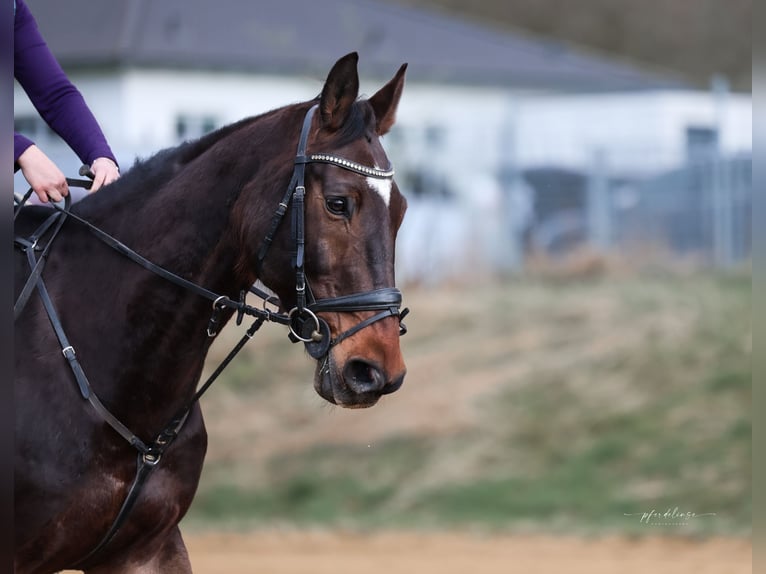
[576, 255]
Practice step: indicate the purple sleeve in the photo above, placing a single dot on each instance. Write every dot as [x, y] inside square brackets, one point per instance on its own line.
[20, 145]
[57, 100]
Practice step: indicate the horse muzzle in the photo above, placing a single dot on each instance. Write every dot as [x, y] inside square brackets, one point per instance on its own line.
[358, 383]
[358, 375]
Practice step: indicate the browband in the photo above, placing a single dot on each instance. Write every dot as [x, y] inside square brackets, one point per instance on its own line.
[351, 165]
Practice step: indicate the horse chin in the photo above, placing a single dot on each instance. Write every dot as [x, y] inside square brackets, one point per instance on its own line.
[329, 385]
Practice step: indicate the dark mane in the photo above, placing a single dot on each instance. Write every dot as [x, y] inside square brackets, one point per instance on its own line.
[156, 170]
[160, 167]
[149, 174]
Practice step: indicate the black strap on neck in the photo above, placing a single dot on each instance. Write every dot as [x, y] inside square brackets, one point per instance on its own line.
[144, 467]
[150, 454]
[29, 245]
[148, 460]
[219, 301]
[71, 356]
[32, 241]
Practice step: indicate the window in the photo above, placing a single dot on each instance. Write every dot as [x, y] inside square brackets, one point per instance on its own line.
[190, 126]
[701, 142]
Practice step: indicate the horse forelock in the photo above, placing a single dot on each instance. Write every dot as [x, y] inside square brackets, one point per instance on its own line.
[359, 122]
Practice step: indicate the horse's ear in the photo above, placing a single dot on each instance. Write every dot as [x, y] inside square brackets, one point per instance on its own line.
[340, 92]
[386, 100]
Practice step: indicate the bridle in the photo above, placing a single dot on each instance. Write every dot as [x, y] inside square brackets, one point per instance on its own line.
[302, 320]
[304, 324]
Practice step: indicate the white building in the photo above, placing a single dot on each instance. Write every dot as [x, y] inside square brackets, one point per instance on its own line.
[639, 132]
[156, 73]
[477, 101]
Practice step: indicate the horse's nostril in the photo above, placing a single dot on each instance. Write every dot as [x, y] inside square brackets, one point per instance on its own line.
[363, 377]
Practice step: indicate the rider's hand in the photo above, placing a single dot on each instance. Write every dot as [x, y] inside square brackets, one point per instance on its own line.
[104, 171]
[43, 176]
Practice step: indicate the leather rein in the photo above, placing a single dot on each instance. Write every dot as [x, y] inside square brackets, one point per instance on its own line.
[303, 322]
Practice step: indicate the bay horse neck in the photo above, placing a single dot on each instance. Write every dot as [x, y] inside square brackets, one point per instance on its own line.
[178, 210]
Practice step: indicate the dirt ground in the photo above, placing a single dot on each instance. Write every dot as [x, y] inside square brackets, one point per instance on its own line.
[400, 553]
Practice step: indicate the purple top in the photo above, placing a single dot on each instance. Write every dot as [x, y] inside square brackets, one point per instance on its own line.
[57, 100]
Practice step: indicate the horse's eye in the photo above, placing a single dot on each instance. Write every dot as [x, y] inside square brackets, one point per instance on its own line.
[337, 205]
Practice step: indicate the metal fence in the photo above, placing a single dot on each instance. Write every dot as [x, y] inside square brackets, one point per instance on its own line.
[700, 211]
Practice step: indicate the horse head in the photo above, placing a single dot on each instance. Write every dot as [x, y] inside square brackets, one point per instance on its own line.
[338, 242]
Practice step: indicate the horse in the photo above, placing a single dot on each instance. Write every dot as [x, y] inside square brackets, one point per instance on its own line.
[110, 350]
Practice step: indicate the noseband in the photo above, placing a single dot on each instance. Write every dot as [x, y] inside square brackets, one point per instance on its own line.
[305, 326]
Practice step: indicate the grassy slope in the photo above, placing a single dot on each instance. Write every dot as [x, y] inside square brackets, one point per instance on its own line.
[529, 404]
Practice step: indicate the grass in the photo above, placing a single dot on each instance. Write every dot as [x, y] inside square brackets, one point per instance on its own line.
[529, 404]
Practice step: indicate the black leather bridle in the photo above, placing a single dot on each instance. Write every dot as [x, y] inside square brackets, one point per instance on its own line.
[305, 325]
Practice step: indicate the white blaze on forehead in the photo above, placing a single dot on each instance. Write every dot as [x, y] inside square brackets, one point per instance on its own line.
[382, 187]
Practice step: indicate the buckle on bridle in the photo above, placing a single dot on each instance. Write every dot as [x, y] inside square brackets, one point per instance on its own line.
[151, 458]
[402, 327]
[212, 325]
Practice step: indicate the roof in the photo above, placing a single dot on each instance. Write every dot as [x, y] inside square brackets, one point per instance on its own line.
[305, 37]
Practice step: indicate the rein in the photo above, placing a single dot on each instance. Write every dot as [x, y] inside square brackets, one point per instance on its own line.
[149, 455]
[303, 323]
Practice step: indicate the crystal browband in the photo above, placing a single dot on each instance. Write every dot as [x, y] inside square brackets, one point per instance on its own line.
[352, 165]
